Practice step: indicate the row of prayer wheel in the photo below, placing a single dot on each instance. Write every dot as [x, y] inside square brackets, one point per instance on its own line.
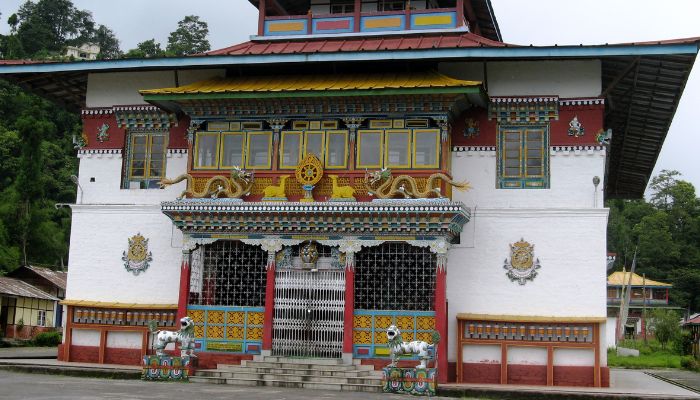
[122, 317]
[505, 331]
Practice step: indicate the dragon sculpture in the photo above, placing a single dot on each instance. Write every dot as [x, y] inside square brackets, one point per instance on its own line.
[239, 184]
[406, 186]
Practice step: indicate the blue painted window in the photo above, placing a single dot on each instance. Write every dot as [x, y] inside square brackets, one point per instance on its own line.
[523, 157]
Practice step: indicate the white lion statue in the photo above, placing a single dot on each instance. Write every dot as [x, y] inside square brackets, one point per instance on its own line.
[398, 347]
[185, 336]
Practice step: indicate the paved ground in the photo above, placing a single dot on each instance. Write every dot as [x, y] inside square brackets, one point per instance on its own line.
[18, 386]
[28, 352]
[688, 379]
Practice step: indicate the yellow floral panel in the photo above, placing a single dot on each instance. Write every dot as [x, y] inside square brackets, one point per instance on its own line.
[254, 334]
[404, 323]
[215, 317]
[256, 318]
[215, 332]
[382, 322]
[362, 337]
[196, 315]
[235, 317]
[380, 337]
[234, 332]
[425, 336]
[199, 332]
[407, 336]
[362, 321]
[426, 323]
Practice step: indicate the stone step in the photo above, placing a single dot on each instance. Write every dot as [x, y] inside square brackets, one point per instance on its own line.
[301, 371]
[253, 375]
[350, 387]
[305, 365]
[301, 360]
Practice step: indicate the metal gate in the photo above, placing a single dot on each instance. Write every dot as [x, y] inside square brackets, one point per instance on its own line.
[309, 308]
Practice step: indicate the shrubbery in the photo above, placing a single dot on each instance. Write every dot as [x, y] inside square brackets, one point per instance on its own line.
[47, 339]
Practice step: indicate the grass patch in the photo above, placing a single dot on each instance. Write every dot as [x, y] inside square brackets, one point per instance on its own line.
[659, 359]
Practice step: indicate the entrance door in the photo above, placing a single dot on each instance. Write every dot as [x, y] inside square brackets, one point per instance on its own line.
[309, 308]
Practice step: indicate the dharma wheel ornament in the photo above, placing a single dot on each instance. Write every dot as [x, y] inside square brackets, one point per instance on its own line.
[309, 173]
[522, 265]
[309, 255]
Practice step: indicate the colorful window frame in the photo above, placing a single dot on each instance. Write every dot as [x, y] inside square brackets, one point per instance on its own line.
[147, 180]
[229, 329]
[283, 146]
[434, 132]
[321, 147]
[361, 134]
[387, 148]
[523, 157]
[251, 136]
[330, 134]
[196, 157]
[222, 148]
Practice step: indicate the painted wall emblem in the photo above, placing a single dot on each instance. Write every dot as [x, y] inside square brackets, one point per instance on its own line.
[471, 128]
[103, 133]
[137, 259]
[522, 265]
[575, 128]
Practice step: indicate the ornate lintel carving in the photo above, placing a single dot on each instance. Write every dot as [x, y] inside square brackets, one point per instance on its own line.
[353, 123]
[276, 124]
[195, 124]
[443, 122]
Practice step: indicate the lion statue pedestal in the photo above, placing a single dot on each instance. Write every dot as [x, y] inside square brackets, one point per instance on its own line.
[164, 367]
[421, 380]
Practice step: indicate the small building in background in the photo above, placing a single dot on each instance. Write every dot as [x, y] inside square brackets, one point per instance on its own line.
[692, 324]
[48, 280]
[25, 310]
[645, 293]
[87, 51]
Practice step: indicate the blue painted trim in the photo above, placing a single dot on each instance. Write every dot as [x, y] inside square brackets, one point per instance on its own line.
[303, 31]
[452, 14]
[351, 25]
[364, 20]
[471, 52]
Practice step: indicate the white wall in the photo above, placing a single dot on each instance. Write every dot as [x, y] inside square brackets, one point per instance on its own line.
[610, 328]
[99, 237]
[565, 79]
[122, 88]
[86, 337]
[124, 340]
[106, 169]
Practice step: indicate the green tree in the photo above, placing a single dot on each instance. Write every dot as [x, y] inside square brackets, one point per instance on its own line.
[49, 25]
[665, 324]
[190, 37]
[108, 42]
[146, 49]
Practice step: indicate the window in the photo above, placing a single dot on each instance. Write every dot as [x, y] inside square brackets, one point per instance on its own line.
[342, 6]
[523, 157]
[398, 148]
[232, 148]
[391, 5]
[328, 145]
[41, 318]
[259, 150]
[206, 151]
[146, 159]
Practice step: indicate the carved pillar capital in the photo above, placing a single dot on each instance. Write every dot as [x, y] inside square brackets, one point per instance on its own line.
[443, 122]
[195, 124]
[276, 124]
[353, 123]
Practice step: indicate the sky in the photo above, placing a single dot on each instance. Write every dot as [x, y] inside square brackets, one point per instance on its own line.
[537, 22]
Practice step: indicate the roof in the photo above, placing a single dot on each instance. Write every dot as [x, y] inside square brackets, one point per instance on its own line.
[16, 287]
[298, 85]
[58, 278]
[620, 278]
[693, 320]
[421, 41]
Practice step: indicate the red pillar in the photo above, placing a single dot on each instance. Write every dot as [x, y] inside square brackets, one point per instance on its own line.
[269, 305]
[441, 320]
[349, 308]
[184, 296]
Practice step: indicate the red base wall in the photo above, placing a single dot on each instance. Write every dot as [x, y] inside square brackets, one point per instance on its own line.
[208, 360]
[27, 332]
[86, 354]
[123, 356]
[61, 353]
[528, 374]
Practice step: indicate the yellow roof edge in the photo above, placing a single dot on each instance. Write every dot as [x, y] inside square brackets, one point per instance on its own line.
[103, 304]
[618, 279]
[311, 83]
[528, 318]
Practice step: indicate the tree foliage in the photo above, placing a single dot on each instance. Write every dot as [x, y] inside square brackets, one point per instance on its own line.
[146, 49]
[666, 233]
[665, 324]
[190, 37]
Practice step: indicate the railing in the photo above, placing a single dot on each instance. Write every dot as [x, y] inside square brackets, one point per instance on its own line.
[367, 22]
[649, 302]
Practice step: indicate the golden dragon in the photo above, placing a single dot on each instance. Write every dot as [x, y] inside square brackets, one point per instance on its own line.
[239, 184]
[406, 186]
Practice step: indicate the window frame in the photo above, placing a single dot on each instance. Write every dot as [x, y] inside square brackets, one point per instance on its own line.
[523, 180]
[408, 152]
[434, 131]
[222, 148]
[308, 133]
[358, 147]
[345, 149]
[300, 148]
[269, 149]
[217, 150]
[147, 179]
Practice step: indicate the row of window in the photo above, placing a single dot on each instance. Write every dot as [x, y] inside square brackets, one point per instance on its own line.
[523, 161]
[376, 148]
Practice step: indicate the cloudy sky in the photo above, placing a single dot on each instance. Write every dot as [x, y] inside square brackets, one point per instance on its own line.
[538, 22]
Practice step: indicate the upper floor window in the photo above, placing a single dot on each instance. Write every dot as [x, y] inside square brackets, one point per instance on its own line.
[225, 150]
[398, 148]
[146, 154]
[523, 159]
[391, 5]
[330, 146]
